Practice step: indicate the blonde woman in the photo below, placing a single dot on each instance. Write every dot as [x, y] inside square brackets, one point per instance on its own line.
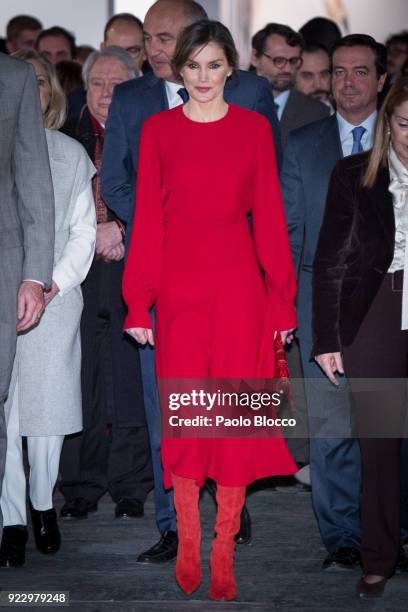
[360, 315]
[44, 402]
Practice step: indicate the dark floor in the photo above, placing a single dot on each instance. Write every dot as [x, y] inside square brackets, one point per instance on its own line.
[280, 570]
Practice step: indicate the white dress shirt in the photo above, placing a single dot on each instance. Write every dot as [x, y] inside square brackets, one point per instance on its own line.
[173, 97]
[281, 101]
[346, 133]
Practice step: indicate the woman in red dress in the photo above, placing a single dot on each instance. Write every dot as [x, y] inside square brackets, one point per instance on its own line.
[203, 167]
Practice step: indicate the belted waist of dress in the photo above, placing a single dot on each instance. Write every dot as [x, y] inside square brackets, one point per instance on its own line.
[209, 223]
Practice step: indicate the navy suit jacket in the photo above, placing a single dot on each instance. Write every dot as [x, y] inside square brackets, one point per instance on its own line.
[136, 100]
[311, 153]
[299, 111]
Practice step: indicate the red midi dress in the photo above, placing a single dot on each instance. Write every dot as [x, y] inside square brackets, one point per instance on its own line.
[193, 255]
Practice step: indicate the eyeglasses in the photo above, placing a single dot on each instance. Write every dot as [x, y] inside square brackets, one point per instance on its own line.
[280, 62]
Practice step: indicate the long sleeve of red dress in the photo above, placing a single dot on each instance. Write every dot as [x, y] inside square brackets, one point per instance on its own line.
[141, 280]
[270, 232]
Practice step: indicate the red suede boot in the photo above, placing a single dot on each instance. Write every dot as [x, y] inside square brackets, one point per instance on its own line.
[188, 564]
[230, 502]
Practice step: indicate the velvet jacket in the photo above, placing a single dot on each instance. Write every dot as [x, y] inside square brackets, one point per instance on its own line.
[354, 251]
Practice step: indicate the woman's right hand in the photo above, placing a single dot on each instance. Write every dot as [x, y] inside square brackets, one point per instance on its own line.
[142, 335]
[330, 364]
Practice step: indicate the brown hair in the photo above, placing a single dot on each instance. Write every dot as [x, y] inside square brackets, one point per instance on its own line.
[18, 24]
[69, 74]
[128, 17]
[198, 35]
[54, 116]
[397, 95]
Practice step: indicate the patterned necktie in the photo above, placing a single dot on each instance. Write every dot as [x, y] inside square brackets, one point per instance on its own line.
[277, 107]
[101, 210]
[183, 93]
[100, 206]
[357, 136]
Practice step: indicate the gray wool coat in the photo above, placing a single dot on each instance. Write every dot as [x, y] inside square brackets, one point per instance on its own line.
[46, 373]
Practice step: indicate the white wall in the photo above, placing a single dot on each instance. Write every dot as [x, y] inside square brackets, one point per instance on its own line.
[84, 18]
[137, 7]
[376, 17]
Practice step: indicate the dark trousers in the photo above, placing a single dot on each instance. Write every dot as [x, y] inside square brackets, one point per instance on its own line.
[112, 453]
[380, 353]
[163, 498]
[335, 458]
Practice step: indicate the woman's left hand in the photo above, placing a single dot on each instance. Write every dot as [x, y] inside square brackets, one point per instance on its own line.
[50, 295]
[286, 336]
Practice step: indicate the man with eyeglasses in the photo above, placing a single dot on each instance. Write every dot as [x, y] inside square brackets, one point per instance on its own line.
[126, 31]
[277, 56]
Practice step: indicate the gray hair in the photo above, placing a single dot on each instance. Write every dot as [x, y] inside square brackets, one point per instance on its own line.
[112, 52]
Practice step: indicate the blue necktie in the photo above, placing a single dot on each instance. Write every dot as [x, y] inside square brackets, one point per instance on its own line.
[183, 93]
[357, 136]
[277, 107]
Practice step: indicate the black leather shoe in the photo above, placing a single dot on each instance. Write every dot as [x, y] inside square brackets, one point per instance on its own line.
[127, 507]
[13, 546]
[344, 558]
[245, 532]
[402, 563]
[46, 532]
[165, 550]
[365, 590]
[78, 508]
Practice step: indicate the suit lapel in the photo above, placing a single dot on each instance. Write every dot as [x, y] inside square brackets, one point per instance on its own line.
[156, 97]
[328, 145]
[4, 106]
[289, 112]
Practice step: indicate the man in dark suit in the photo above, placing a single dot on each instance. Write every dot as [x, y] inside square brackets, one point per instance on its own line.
[358, 74]
[277, 56]
[132, 104]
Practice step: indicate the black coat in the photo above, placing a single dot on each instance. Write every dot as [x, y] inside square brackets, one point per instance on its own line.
[355, 250]
[80, 128]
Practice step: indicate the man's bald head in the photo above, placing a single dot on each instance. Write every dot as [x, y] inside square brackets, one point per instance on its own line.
[190, 10]
[164, 22]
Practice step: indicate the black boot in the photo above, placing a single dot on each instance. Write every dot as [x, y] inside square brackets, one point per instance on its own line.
[13, 546]
[245, 532]
[46, 532]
